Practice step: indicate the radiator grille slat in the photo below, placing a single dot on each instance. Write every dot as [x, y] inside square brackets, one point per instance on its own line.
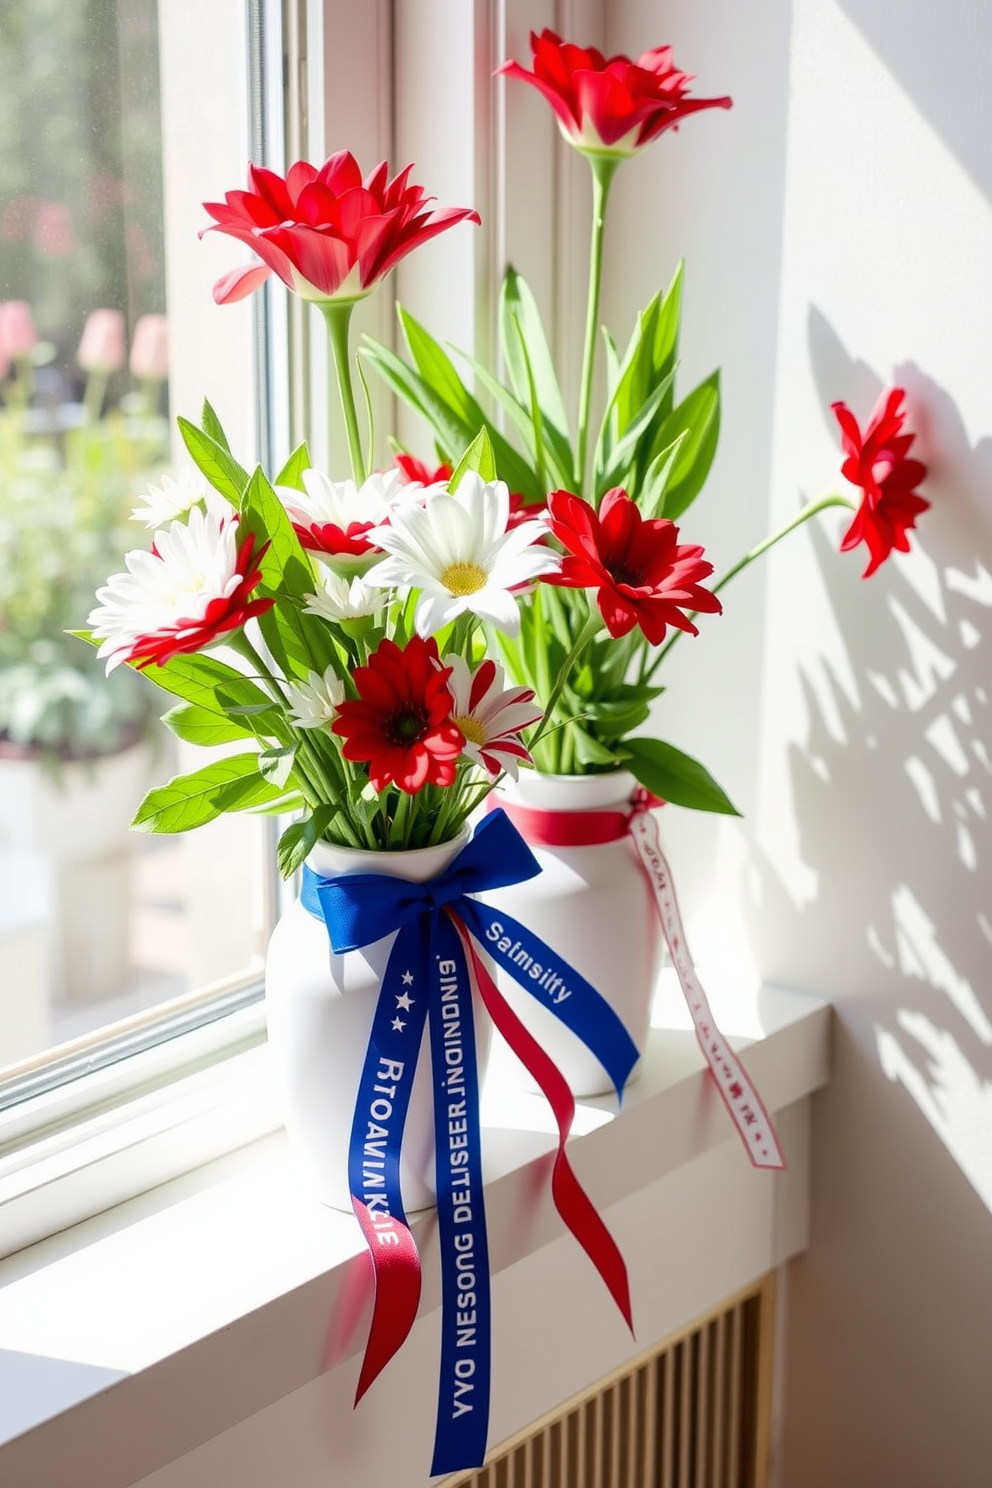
[694, 1413]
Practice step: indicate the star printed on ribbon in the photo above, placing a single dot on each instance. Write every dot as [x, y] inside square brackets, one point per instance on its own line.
[404, 1002]
[399, 1025]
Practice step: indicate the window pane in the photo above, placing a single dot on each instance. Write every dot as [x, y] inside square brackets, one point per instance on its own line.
[95, 923]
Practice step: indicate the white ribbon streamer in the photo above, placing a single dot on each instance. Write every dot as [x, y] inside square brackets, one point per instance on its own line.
[739, 1095]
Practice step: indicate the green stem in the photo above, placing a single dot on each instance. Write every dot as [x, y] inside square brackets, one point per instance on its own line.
[811, 510]
[93, 396]
[309, 760]
[603, 169]
[591, 627]
[238, 641]
[337, 313]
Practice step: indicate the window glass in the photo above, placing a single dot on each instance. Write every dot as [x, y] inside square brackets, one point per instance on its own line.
[96, 924]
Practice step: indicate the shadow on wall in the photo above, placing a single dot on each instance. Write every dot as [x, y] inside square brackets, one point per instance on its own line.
[893, 788]
[942, 65]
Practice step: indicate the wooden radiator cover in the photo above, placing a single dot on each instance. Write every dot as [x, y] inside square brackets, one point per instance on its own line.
[692, 1412]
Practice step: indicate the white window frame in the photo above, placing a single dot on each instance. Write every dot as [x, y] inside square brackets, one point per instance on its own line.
[131, 1123]
[164, 1092]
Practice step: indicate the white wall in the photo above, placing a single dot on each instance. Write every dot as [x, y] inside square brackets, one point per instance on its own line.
[838, 233]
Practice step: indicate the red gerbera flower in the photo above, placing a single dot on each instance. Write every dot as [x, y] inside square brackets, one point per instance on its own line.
[878, 461]
[609, 104]
[327, 233]
[642, 574]
[402, 724]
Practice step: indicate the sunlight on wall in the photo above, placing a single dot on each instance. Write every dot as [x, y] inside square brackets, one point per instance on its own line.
[953, 1098]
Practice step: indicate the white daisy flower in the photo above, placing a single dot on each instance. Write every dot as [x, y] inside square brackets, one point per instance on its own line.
[184, 595]
[490, 718]
[333, 519]
[340, 598]
[457, 551]
[172, 499]
[314, 703]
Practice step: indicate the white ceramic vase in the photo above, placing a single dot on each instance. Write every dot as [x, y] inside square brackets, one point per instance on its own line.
[594, 907]
[319, 1009]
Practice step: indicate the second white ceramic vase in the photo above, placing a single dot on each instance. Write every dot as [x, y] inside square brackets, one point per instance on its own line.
[592, 905]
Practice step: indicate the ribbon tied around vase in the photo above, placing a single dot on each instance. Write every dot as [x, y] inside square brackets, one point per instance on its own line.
[428, 983]
[543, 828]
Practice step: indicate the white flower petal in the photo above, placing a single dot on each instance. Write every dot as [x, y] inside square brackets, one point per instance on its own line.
[172, 498]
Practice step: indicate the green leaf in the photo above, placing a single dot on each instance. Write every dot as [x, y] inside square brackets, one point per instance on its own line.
[188, 801]
[285, 567]
[199, 679]
[411, 387]
[452, 432]
[221, 469]
[557, 451]
[615, 469]
[196, 725]
[674, 776]
[612, 365]
[665, 344]
[300, 643]
[623, 711]
[441, 377]
[697, 418]
[299, 840]
[212, 426]
[439, 372]
[588, 750]
[478, 457]
[651, 496]
[634, 379]
[291, 473]
[283, 805]
[524, 341]
[277, 764]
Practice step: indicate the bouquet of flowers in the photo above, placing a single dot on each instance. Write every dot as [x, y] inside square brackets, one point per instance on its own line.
[361, 688]
[384, 602]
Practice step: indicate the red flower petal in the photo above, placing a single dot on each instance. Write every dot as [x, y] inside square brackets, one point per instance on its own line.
[401, 724]
[878, 462]
[609, 97]
[319, 226]
[640, 572]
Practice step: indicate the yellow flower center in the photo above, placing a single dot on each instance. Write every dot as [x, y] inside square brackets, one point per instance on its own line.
[472, 729]
[464, 578]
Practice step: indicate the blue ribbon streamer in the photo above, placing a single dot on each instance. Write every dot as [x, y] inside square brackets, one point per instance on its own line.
[427, 981]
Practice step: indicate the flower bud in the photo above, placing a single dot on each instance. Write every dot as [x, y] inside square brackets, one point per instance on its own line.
[150, 348]
[102, 346]
[17, 332]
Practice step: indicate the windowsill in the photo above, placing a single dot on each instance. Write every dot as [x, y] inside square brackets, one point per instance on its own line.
[155, 1326]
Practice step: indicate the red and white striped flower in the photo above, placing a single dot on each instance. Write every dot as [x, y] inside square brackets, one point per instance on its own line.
[333, 519]
[185, 595]
[490, 717]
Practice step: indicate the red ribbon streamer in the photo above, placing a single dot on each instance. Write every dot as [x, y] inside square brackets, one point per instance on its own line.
[594, 828]
[397, 1296]
[571, 1200]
